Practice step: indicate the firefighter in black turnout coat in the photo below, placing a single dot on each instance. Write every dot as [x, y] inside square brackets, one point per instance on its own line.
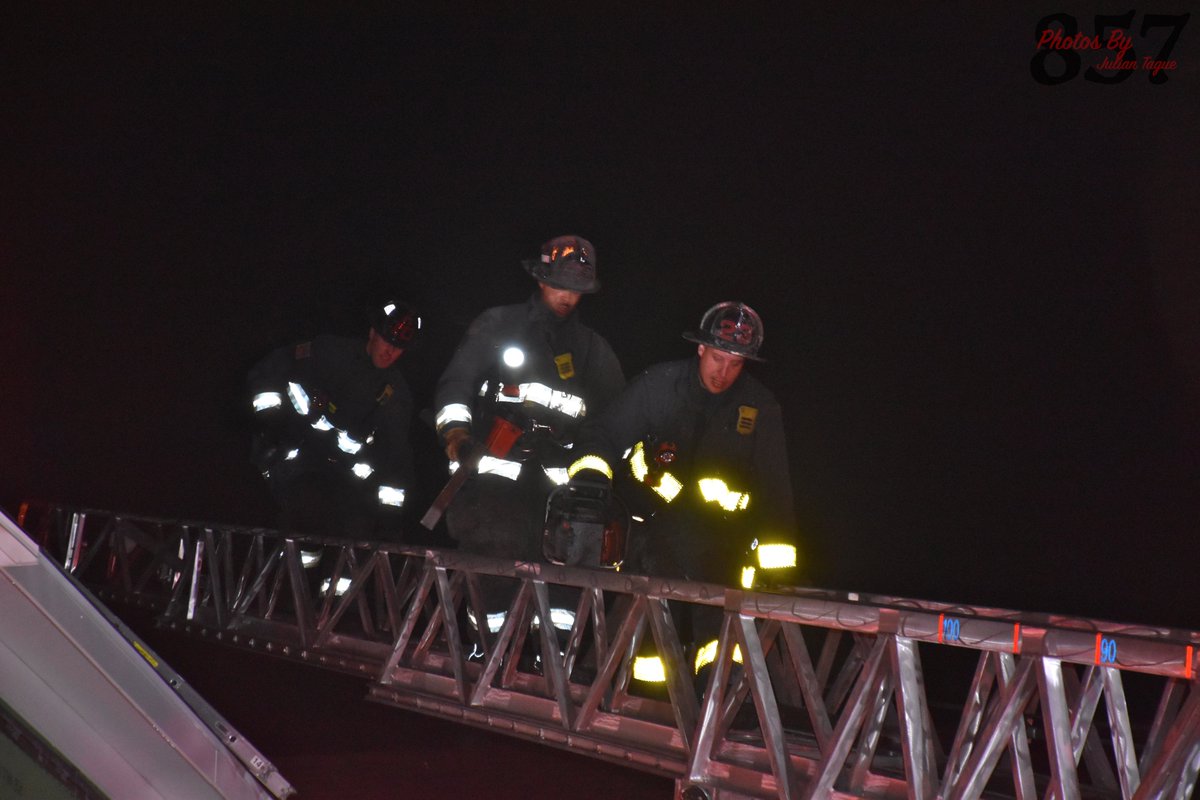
[696, 449]
[332, 437]
[519, 386]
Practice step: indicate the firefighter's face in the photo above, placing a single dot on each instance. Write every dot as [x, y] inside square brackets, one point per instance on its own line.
[561, 301]
[382, 354]
[718, 370]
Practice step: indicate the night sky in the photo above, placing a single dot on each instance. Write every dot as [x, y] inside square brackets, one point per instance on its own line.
[980, 292]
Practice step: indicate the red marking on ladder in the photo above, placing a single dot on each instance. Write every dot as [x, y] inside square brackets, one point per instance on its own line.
[1016, 638]
[941, 626]
[1190, 671]
[1098, 637]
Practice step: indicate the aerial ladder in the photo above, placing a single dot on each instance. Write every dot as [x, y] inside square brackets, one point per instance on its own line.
[89, 711]
[811, 693]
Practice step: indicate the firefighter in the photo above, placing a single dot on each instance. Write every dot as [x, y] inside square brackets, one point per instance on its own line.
[509, 404]
[696, 449]
[525, 377]
[332, 428]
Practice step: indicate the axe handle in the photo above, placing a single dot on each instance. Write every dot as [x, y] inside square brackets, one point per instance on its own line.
[501, 438]
[442, 501]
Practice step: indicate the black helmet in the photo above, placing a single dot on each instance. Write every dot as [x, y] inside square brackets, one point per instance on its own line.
[733, 327]
[397, 323]
[567, 262]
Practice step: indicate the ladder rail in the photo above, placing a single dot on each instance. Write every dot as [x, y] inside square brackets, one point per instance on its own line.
[773, 719]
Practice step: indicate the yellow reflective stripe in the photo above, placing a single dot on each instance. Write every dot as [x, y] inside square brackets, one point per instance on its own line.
[668, 486]
[589, 462]
[747, 577]
[649, 669]
[715, 490]
[776, 556]
[637, 463]
[708, 654]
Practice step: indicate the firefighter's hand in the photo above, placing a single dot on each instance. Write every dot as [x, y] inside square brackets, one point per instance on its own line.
[550, 453]
[459, 444]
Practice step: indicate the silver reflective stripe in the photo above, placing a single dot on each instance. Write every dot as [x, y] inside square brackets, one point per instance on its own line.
[454, 412]
[343, 585]
[323, 424]
[362, 470]
[562, 618]
[267, 400]
[557, 474]
[292, 454]
[347, 443]
[299, 398]
[565, 402]
[391, 496]
[495, 620]
[490, 465]
[553, 399]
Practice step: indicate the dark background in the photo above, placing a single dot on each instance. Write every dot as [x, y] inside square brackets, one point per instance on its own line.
[980, 292]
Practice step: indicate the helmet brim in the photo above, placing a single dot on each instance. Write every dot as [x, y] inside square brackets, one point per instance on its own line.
[385, 326]
[535, 267]
[699, 337]
[393, 341]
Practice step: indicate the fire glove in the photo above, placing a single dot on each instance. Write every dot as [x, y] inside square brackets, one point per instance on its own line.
[459, 444]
